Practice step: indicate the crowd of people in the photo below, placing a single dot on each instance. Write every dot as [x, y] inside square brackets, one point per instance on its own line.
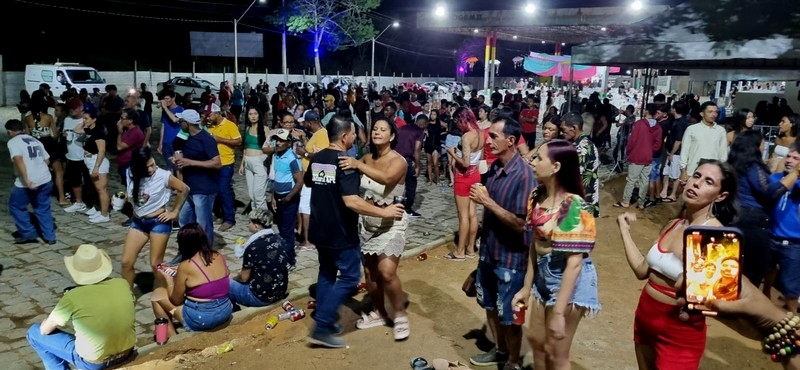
[338, 173]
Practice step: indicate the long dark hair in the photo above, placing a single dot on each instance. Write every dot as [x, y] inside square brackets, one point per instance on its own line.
[393, 143]
[725, 210]
[139, 159]
[568, 178]
[261, 132]
[794, 119]
[192, 239]
[745, 152]
[740, 120]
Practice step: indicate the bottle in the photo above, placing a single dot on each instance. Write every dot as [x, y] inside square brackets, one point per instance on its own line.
[238, 247]
[162, 331]
[272, 322]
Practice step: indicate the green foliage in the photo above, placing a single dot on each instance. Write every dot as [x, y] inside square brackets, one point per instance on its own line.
[334, 24]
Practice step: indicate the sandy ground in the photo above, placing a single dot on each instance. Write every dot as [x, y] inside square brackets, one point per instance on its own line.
[447, 324]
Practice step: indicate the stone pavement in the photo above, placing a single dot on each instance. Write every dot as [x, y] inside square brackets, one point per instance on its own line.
[34, 277]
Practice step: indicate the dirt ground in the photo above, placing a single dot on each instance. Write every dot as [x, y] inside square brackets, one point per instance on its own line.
[447, 324]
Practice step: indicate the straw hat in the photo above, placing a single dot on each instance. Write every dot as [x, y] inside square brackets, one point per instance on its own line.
[89, 265]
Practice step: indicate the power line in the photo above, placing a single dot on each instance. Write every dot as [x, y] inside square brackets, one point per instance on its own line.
[121, 15]
[414, 52]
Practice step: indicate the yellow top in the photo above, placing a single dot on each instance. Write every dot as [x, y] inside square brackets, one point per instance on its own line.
[317, 142]
[225, 130]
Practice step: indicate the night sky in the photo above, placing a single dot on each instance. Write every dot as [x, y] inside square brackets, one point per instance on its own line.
[72, 31]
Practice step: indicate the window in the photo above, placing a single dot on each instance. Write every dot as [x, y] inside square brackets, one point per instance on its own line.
[84, 76]
[47, 75]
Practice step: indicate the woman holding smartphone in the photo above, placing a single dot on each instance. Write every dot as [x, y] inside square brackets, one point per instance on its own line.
[565, 284]
[661, 339]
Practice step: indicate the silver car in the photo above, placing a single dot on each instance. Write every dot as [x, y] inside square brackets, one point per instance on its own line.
[182, 85]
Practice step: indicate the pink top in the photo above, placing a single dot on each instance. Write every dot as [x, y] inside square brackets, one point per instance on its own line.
[212, 289]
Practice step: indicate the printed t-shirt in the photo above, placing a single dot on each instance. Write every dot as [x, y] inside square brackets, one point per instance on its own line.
[33, 156]
[333, 225]
[74, 142]
[154, 192]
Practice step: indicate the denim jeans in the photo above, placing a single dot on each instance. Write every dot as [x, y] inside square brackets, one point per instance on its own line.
[286, 218]
[198, 208]
[39, 199]
[241, 294]
[225, 181]
[57, 351]
[332, 290]
[411, 185]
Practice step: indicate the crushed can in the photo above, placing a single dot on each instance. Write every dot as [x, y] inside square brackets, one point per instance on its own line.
[272, 322]
[287, 306]
[284, 316]
[518, 313]
[362, 287]
[422, 256]
[312, 304]
[298, 314]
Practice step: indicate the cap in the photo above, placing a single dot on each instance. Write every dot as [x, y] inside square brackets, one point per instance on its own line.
[283, 134]
[214, 108]
[309, 115]
[190, 115]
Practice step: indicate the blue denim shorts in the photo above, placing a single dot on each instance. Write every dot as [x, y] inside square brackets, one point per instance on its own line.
[202, 316]
[549, 274]
[787, 256]
[496, 287]
[655, 171]
[151, 225]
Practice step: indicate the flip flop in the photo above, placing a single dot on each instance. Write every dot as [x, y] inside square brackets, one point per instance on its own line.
[452, 257]
[667, 200]
[619, 205]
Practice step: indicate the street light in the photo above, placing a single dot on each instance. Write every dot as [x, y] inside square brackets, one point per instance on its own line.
[637, 5]
[529, 8]
[476, 30]
[394, 24]
[514, 37]
[236, 41]
[440, 10]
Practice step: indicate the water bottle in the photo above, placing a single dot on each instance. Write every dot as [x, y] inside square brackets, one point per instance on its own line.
[238, 248]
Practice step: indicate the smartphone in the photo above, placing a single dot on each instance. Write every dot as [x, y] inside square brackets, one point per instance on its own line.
[712, 260]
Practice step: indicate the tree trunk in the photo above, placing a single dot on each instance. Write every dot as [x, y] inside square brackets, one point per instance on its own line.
[319, 70]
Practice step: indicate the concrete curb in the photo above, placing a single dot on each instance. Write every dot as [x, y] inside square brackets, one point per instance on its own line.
[248, 312]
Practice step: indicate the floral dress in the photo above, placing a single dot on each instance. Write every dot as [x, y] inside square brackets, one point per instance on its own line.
[589, 165]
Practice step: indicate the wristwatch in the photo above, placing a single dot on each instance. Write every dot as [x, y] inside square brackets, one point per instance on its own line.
[305, 154]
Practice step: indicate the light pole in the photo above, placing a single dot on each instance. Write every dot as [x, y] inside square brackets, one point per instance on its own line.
[236, 41]
[394, 24]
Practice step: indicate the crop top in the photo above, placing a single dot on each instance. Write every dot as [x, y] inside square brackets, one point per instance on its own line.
[212, 289]
[574, 230]
[665, 262]
[251, 141]
[377, 193]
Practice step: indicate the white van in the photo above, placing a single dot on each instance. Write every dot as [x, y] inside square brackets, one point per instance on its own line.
[60, 74]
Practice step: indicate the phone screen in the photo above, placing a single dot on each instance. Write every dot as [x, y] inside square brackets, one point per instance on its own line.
[713, 265]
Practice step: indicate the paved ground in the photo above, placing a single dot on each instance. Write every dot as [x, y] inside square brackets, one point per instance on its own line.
[33, 275]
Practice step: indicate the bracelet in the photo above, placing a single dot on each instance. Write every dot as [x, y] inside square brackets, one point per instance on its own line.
[784, 342]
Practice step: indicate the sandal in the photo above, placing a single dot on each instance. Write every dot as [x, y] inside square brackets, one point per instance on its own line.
[401, 328]
[470, 255]
[619, 205]
[371, 320]
[452, 257]
[667, 200]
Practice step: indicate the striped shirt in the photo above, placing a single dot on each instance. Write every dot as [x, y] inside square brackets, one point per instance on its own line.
[509, 186]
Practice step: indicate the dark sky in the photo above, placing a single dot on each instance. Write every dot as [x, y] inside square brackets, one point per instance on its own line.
[111, 34]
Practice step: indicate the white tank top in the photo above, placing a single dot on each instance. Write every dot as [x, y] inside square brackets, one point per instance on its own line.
[154, 192]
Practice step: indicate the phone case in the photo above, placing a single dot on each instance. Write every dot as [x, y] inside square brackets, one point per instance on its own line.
[712, 260]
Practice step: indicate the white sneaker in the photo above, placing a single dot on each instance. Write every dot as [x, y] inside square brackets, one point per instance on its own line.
[91, 212]
[75, 207]
[99, 219]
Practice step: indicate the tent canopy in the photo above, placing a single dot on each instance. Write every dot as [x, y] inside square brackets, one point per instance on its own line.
[758, 34]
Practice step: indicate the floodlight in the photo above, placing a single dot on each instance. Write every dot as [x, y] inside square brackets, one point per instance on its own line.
[476, 30]
[603, 29]
[637, 5]
[529, 8]
[440, 10]
[396, 24]
[515, 37]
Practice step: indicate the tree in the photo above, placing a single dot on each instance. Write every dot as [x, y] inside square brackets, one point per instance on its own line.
[334, 24]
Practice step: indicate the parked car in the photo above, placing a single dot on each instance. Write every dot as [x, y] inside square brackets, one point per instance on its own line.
[182, 84]
[409, 85]
[431, 85]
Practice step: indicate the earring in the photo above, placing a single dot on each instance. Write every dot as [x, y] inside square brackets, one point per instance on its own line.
[712, 211]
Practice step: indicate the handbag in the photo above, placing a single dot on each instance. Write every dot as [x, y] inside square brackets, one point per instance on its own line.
[469, 284]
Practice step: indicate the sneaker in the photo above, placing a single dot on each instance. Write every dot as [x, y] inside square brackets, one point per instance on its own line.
[512, 367]
[91, 212]
[75, 207]
[26, 240]
[326, 340]
[413, 214]
[99, 219]
[51, 242]
[649, 203]
[491, 358]
[225, 227]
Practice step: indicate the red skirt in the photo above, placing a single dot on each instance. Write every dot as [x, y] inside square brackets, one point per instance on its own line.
[678, 345]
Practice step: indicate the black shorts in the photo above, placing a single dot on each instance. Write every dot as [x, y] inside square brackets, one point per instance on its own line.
[76, 173]
[53, 148]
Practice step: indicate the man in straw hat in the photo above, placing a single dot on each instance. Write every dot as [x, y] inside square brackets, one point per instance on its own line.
[102, 314]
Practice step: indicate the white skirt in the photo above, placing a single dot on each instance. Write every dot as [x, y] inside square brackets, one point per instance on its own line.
[383, 235]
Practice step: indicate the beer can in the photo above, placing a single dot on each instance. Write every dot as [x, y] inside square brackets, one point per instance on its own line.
[298, 314]
[312, 304]
[399, 199]
[287, 306]
[272, 322]
[519, 313]
[422, 256]
[285, 316]
[362, 287]
[178, 154]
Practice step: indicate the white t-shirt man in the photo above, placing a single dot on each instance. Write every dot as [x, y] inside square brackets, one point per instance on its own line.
[33, 156]
[74, 144]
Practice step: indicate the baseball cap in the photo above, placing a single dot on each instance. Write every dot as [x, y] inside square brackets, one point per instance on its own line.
[283, 134]
[309, 115]
[190, 116]
[213, 108]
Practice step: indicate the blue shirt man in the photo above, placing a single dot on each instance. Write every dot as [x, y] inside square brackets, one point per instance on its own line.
[785, 241]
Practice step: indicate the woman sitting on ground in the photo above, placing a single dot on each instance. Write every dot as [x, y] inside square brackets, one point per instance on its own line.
[264, 278]
[383, 239]
[565, 284]
[149, 191]
[197, 296]
[662, 340]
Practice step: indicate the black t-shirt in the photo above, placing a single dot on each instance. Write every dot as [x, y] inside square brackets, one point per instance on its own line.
[269, 275]
[92, 135]
[333, 225]
[664, 135]
[148, 101]
[676, 133]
